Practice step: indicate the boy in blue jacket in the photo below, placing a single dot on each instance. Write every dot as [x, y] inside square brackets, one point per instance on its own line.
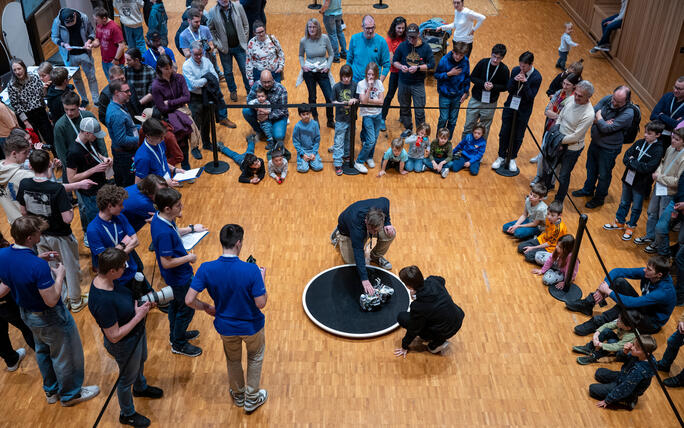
[453, 81]
[468, 153]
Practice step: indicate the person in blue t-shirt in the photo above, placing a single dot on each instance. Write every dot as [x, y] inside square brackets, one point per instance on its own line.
[139, 205]
[174, 266]
[150, 158]
[59, 351]
[112, 229]
[239, 294]
[122, 322]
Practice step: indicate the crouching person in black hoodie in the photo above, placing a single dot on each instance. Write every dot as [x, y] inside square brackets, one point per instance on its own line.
[433, 316]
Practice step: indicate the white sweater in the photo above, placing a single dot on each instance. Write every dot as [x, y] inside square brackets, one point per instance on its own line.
[575, 120]
[463, 24]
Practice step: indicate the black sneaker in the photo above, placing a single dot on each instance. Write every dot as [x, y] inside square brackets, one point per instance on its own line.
[195, 152]
[406, 133]
[662, 367]
[675, 381]
[192, 334]
[581, 192]
[584, 349]
[631, 404]
[149, 392]
[136, 420]
[582, 306]
[594, 203]
[187, 350]
[587, 359]
[586, 328]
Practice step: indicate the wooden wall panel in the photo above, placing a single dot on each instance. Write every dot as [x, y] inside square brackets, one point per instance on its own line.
[581, 10]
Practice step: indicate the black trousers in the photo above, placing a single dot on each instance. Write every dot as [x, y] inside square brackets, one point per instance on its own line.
[123, 168]
[391, 92]
[40, 121]
[435, 338]
[201, 114]
[517, 129]
[9, 314]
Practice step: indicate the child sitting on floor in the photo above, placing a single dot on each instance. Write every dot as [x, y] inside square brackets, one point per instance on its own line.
[555, 268]
[394, 157]
[538, 249]
[610, 338]
[440, 157]
[468, 153]
[252, 167]
[419, 148]
[277, 166]
[531, 221]
[306, 137]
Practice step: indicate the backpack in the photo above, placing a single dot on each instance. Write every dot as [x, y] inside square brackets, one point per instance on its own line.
[632, 130]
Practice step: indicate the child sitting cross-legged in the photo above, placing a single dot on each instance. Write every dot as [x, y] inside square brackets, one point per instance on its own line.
[531, 221]
[440, 153]
[555, 268]
[418, 148]
[468, 153]
[540, 248]
[610, 338]
[394, 157]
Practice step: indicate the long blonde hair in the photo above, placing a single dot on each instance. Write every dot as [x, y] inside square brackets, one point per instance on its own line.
[318, 29]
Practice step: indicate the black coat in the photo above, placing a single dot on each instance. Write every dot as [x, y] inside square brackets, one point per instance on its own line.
[644, 168]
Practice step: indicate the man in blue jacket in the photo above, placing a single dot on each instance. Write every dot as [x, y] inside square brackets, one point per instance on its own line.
[453, 81]
[123, 132]
[360, 221]
[670, 111]
[656, 303]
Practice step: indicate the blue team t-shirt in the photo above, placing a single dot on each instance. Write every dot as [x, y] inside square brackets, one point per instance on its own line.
[111, 307]
[187, 36]
[137, 207]
[167, 243]
[106, 234]
[25, 274]
[151, 159]
[233, 285]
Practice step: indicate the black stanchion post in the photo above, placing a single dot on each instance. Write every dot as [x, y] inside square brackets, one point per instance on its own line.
[216, 166]
[314, 5]
[503, 169]
[380, 5]
[571, 292]
[348, 169]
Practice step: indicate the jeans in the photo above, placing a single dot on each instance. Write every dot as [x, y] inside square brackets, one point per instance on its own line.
[87, 64]
[656, 218]
[415, 92]
[414, 165]
[600, 163]
[87, 209]
[674, 342]
[134, 37]
[428, 164]
[9, 314]
[662, 230]
[67, 247]
[180, 316]
[632, 197]
[517, 129]
[522, 233]
[679, 287]
[123, 168]
[478, 113]
[311, 79]
[389, 94]
[341, 143]
[106, 66]
[448, 113]
[232, 348]
[608, 29]
[237, 157]
[333, 26]
[530, 256]
[562, 58]
[303, 166]
[369, 136]
[458, 164]
[279, 126]
[59, 351]
[131, 374]
[567, 164]
[227, 62]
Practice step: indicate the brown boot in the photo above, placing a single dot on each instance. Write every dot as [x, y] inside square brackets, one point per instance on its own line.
[227, 122]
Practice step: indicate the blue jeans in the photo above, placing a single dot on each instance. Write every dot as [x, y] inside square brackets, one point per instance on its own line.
[106, 66]
[134, 37]
[600, 163]
[333, 26]
[227, 62]
[237, 157]
[341, 144]
[428, 163]
[303, 166]
[279, 126]
[674, 342]
[131, 374]
[662, 230]
[311, 79]
[369, 136]
[522, 233]
[633, 198]
[180, 316]
[87, 209]
[415, 165]
[457, 165]
[448, 113]
[608, 29]
[657, 221]
[59, 351]
[562, 58]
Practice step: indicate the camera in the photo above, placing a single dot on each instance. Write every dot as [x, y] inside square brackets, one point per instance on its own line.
[161, 297]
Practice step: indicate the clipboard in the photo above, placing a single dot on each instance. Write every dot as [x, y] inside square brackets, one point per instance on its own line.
[190, 240]
[188, 175]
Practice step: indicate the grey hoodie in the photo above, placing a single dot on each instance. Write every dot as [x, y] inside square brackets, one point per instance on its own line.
[11, 175]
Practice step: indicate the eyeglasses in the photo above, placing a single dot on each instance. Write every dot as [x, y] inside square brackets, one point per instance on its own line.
[369, 28]
[127, 91]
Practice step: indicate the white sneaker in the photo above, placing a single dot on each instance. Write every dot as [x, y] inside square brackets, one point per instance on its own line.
[361, 168]
[87, 392]
[445, 172]
[370, 162]
[497, 163]
[52, 398]
[253, 402]
[22, 354]
[512, 166]
[535, 159]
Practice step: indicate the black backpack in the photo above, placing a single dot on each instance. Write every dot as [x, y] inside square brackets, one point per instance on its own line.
[633, 129]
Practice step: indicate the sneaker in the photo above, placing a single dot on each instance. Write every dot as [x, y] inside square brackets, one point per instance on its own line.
[370, 162]
[593, 50]
[497, 163]
[585, 328]
[406, 133]
[445, 172]
[662, 367]
[85, 241]
[650, 249]
[227, 122]
[512, 166]
[136, 420]
[195, 152]
[382, 262]
[253, 403]
[587, 359]
[233, 96]
[79, 305]
[535, 159]
[582, 306]
[631, 404]
[584, 349]
[192, 334]
[628, 234]
[188, 350]
[594, 203]
[440, 348]
[338, 170]
[51, 398]
[383, 127]
[331, 149]
[604, 48]
[238, 398]
[333, 238]
[674, 381]
[149, 392]
[643, 240]
[614, 226]
[22, 353]
[581, 192]
[87, 392]
[343, 55]
[361, 168]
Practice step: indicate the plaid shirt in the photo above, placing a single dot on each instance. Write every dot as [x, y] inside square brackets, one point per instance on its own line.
[277, 95]
[140, 80]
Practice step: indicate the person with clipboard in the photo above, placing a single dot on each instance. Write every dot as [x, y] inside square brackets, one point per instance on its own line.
[150, 158]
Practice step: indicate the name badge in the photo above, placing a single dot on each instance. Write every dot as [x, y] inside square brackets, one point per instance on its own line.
[486, 96]
[515, 103]
[666, 132]
[629, 178]
[660, 189]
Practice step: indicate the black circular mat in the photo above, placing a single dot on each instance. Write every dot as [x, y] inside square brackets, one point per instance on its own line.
[331, 300]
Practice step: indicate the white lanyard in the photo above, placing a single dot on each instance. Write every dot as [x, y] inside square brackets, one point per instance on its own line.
[72, 123]
[193, 35]
[115, 237]
[643, 150]
[672, 112]
[162, 164]
[153, 55]
[173, 226]
[672, 161]
[495, 70]
[94, 154]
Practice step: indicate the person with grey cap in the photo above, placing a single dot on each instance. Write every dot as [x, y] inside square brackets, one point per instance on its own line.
[413, 59]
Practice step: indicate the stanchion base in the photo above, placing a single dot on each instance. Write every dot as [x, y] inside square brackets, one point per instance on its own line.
[573, 293]
[314, 6]
[503, 170]
[218, 168]
[380, 6]
[349, 170]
